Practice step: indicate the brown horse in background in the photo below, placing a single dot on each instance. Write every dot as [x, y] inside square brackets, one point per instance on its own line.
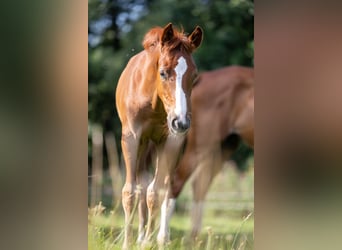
[222, 114]
[153, 103]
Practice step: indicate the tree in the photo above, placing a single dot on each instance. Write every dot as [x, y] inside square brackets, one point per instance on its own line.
[116, 29]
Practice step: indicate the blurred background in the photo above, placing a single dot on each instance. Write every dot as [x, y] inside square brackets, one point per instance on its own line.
[45, 147]
[115, 33]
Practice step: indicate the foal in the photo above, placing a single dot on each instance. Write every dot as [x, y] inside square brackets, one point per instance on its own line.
[222, 114]
[153, 103]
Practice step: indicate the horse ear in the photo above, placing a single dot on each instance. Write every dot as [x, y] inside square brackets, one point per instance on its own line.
[196, 37]
[167, 34]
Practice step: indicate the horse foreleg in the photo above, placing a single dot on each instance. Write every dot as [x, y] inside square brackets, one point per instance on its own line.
[129, 149]
[166, 160]
[168, 163]
[152, 197]
[167, 208]
[178, 179]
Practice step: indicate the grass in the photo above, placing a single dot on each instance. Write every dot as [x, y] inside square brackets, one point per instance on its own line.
[228, 221]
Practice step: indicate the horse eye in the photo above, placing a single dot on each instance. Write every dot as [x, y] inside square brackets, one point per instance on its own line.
[163, 74]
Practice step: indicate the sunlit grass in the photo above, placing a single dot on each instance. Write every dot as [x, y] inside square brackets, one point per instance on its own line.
[105, 233]
[228, 221]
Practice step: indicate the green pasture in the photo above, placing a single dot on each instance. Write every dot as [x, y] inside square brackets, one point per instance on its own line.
[228, 221]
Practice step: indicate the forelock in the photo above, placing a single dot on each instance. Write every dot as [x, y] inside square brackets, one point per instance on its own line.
[179, 42]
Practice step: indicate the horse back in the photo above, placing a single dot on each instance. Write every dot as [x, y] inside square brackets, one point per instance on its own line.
[223, 100]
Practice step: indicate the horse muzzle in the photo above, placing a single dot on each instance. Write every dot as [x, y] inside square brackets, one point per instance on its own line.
[180, 126]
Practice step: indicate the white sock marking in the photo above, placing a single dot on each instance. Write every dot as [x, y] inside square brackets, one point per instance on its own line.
[166, 212]
[181, 107]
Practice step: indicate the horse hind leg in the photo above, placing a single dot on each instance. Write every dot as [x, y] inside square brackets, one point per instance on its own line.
[207, 170]
[152, 205]
[152, 201]
[143, 161]
[244, 124]
[200, 186]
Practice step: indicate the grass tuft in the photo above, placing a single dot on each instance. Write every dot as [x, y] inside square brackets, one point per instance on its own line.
[228, 221]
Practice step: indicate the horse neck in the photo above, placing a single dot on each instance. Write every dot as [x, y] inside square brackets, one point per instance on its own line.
[156, 102]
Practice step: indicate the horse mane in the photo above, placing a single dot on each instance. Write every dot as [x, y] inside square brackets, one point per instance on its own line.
[179, 41]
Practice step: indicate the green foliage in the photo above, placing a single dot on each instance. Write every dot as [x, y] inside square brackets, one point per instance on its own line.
[116, 29]
[241, 157]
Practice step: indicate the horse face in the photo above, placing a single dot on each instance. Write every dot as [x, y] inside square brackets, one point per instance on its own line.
[175, 87]
[177, 72]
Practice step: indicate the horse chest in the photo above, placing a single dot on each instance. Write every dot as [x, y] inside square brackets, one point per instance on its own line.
[151, 122]
[155, 129]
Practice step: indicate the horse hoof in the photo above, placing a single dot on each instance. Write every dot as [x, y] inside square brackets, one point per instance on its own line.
[146, 244]
[125, 247]
[161, 240]
[140, 239]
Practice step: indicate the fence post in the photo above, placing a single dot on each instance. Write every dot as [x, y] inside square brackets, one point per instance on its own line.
[114, 168]
[97, 165]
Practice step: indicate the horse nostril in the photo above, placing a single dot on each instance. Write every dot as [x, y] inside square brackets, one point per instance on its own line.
[184, 125]
[174, 123]
[179, 125]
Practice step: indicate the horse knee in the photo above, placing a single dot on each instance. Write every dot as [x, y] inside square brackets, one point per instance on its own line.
[151, 198]
[128, 197]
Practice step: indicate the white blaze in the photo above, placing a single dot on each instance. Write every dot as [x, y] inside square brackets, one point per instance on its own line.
[181, 108]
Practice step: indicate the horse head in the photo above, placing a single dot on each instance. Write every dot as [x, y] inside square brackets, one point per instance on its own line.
[176, 74]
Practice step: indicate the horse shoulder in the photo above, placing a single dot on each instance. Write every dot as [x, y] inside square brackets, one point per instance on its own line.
[135, 93]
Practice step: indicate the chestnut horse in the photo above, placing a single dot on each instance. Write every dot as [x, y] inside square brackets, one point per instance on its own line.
[222, 114]
[153, 103]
